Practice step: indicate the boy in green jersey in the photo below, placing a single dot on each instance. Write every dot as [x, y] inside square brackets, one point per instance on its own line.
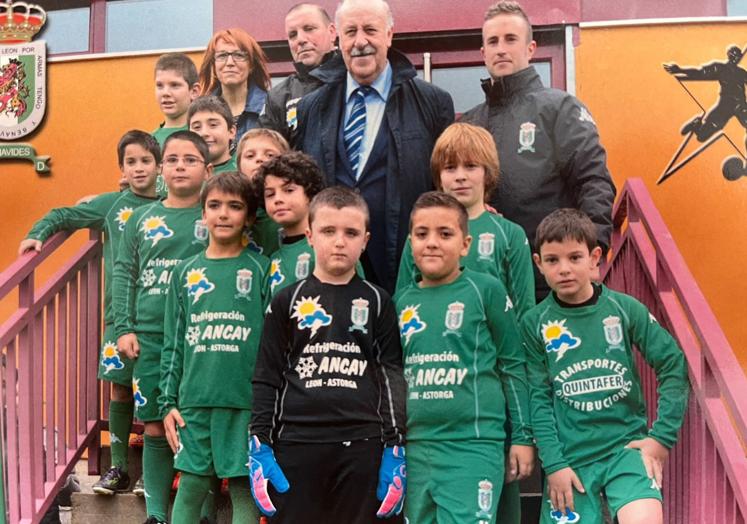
[256, 147]
[583, 374]
[155, 240]
[464, 365]
[464, 164]
[177, 85]
[211, 118]
[139, 157]
[214, 317]
[289, 182]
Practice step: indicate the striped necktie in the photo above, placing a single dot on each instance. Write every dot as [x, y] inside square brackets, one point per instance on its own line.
[355, 128]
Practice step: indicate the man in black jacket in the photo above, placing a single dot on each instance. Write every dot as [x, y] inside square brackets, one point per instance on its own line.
[384, 149]
[547, 141]
[311, 40]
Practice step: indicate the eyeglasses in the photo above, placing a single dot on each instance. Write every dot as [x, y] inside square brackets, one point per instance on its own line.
[238, 56]
[188, 161]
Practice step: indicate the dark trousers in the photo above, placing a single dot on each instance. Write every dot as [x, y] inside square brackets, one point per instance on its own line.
[329, 483]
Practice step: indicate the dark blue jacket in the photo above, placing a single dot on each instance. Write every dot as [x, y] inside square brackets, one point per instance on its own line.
[416, 114]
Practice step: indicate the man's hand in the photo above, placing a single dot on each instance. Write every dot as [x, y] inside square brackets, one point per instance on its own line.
[392, 482]
[128, 345]
[560, 485]
[28, 245]
[520, 462]
[263, 468]
[654, 456]
[173, 419]
[672, 69]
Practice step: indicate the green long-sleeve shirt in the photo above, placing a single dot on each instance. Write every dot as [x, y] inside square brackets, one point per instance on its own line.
[108, 213]
[499, 248]
[463, 361]
[214, 317]
[586, 395]
[155, 240]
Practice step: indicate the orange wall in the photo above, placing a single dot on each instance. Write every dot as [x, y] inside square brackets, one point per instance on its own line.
[90, 104]
[640, 109]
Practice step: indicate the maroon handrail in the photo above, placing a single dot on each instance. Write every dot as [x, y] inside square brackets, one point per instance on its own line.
[705, 476]
[50, 396]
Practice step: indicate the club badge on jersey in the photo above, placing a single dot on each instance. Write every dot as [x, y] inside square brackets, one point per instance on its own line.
[243, 283]
[454, 318]
[359, 315]
[526, 137]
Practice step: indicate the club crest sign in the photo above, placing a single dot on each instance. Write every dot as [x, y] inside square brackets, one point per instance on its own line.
[23, 66]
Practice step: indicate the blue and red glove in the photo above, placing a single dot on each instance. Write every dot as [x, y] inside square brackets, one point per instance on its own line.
[263, 468]
[392, 482]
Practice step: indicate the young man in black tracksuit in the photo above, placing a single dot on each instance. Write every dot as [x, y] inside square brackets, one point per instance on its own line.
[328, 418]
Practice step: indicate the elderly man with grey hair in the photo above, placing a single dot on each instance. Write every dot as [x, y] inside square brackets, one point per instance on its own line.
[372, 127]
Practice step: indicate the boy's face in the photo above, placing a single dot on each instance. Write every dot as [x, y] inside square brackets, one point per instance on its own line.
[214, 129]
[225, 215]
[173, 94]
[231, 72]
[139, 168]
[285, 201]
[437, 244]
[465, 182]
[184, 170]
[254, 153]
[338, 237]
[568, 267]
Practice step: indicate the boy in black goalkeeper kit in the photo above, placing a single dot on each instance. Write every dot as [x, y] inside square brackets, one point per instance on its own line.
[328, 386]
[214, 315]
[588, 410]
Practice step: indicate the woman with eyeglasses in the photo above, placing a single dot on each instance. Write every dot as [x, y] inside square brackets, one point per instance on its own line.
[235, 68]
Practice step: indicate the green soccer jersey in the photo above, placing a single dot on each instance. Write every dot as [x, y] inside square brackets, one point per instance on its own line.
[265, 234]
[463, 361]
[499, 248]
[228, 165]
[586, 395]
[155, 240]
[108, 213]
[214, 317]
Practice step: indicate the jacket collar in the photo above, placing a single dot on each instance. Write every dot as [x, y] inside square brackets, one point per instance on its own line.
[304, 72]
[502, 89]
[255, 98]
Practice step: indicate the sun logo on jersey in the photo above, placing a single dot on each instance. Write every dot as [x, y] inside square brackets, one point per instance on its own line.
[110, 357]
[123, 215]
[276, 276]
[410, 323]
[310, 314]
[137, 395]
[558, 338]
[155, 229]
[198, 284]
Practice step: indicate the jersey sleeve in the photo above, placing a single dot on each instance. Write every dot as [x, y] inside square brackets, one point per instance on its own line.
[407, 269]
[125, 280]
[88, 214]
[664, 355]
[172, 354]
[584, 164]
[268, 379]
[392, 387]
[511, 362]
[520, 272]
[544, 425]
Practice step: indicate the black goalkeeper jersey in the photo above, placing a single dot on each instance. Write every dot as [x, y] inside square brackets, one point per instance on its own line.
[329, 367]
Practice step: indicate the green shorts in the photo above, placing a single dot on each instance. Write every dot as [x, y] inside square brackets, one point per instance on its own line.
[454, 482]
[622, 477]
[145, 376]
[114, 367]
[214, 441]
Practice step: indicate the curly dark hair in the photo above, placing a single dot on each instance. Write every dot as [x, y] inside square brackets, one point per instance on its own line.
[296, 167]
